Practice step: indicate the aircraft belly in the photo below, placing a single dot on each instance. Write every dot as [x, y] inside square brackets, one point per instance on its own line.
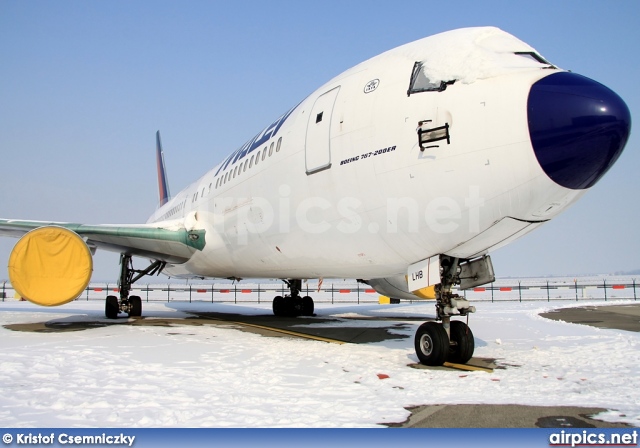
[294, 268]
[299, 255]
[503, 231]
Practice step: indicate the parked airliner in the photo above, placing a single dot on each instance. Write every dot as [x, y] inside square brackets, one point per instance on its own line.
[403, 172]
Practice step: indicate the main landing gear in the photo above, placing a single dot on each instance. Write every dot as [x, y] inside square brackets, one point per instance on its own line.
[292, 305]
[132, 305]
[452, 341]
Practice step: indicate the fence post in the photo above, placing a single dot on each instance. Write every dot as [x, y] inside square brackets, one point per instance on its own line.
[491, 292]
[189, 292]
[168, 291]
[4, 293]
[147, 292]
[575, 283]
[519, 291]
[107, 288]
[634, 289]
[358, 286]
[258, 292]
[548, 298]
[235, 293]
[604, 282]
[332, 291]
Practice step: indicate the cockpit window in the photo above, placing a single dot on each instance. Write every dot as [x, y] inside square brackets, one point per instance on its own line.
[421, 83]
[536, 57]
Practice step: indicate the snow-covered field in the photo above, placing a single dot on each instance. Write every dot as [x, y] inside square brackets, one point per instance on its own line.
[212, 376]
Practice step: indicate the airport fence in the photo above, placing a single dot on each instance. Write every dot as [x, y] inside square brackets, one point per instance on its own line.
[223, 292]
[548, 290]
[352, 292]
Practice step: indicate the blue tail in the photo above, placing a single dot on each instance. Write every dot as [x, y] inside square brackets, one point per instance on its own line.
[163, 184]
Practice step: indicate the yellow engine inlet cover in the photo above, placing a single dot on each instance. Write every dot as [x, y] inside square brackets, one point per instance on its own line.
[50, 266]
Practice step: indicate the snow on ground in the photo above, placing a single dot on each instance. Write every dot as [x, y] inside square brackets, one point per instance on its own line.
[211, 376]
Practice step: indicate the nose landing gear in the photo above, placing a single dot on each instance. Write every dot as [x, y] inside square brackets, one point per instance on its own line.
[438, 342]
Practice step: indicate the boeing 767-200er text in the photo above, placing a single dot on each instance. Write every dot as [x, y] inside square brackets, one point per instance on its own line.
[403, 172]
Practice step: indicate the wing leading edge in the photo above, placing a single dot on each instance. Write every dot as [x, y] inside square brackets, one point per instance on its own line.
[149, 241]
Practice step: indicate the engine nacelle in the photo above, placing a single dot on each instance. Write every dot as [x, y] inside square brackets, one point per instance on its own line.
[50, 266]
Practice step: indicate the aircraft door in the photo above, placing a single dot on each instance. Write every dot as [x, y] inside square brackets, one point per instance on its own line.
[318, 139]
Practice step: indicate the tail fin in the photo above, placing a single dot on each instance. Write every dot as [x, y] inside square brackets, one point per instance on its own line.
[163, 184]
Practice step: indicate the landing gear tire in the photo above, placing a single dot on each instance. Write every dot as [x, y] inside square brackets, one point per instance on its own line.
[461, 349]
[278, 306]
[111, 307]
[292, 305]
[431, 344]
[307, 306]
[135, 306]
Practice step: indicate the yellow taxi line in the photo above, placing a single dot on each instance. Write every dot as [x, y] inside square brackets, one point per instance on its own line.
[279, 330]
[466, 367]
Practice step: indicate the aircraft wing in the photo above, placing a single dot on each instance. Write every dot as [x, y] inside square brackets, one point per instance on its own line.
[173, 244]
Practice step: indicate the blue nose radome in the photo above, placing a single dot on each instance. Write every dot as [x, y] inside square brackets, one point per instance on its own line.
[578, 128]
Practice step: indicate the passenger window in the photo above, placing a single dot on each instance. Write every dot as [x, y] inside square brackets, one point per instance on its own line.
[235, 171]
[279, 143]
[246, 162]
[251, 161]
[257, 157]
[271, 149]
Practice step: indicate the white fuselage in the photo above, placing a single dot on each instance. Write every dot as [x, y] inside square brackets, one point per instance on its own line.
[350, 193]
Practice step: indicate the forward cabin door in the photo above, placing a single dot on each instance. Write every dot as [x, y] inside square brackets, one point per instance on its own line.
[318, 141]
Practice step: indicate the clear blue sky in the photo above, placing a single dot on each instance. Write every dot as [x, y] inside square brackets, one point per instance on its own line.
[84, 85]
